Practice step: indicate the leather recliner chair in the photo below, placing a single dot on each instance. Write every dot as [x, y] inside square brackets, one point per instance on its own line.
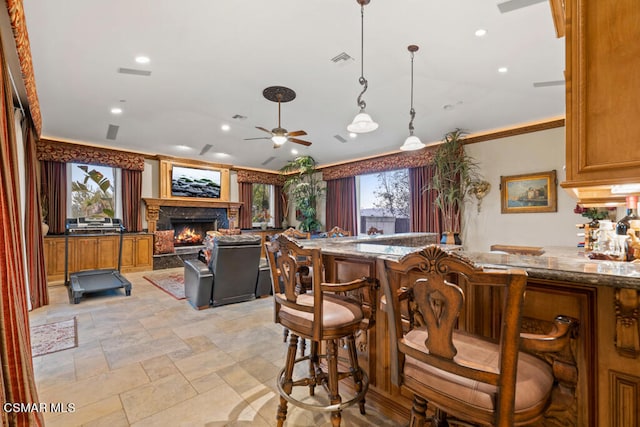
[231, 275]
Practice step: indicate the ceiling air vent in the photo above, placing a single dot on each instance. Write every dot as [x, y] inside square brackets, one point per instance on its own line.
[549, 83]
[205, 149]
[112, 132]
[511, 5]
[341, 57]
[134, 72]
[339, 138]
[269, 160]
[239, 117]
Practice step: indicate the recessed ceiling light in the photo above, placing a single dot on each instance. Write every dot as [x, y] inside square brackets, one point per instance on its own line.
[503, 70]
[116, 110]
[225, 127]
[222, 155]
[294, 151]
[481, 32]
[353, 135]
[183, 147]
[142, 59]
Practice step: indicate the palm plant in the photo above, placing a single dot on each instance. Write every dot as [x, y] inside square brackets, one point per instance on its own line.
[306, 189]
[455, 173]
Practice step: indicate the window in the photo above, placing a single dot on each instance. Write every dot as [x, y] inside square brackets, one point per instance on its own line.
[384, 202]
[262, 206]
[94, 191]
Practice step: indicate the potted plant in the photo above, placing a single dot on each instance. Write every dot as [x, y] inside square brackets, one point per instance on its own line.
[455, 173]
[305, 188]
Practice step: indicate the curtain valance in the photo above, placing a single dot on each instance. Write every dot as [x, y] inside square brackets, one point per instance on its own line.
[64, 152]
[400, 160]
[258, 177]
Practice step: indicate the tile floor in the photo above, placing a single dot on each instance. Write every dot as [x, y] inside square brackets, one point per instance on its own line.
[152, 360]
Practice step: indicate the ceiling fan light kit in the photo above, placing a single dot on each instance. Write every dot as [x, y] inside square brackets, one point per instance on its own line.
[279, 135]
[363, 122]
[412, 142]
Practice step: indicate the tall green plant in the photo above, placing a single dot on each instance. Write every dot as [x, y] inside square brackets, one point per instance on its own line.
[306, 189]
[454, 173]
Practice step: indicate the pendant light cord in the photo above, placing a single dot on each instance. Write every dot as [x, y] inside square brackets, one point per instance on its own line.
[362, 80]
[412, 112]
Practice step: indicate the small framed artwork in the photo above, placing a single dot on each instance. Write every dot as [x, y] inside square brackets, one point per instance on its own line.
[529, 193]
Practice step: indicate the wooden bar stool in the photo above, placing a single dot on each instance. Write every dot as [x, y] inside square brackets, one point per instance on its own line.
[330, 313]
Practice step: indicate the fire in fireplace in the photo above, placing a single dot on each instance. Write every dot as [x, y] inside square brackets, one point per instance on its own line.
[191, 232]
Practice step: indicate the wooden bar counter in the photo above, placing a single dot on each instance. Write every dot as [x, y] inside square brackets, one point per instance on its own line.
[603, 295]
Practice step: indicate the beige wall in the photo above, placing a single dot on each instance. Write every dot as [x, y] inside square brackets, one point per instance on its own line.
[529, 153]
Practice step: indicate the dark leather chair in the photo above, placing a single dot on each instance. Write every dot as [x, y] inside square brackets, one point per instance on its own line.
[460, 375]
[231, 275]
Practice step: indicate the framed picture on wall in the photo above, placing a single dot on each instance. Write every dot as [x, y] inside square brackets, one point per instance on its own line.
[529, 193]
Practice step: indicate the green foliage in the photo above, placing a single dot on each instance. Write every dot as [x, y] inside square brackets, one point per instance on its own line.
[260, 203]
[93, 195]
[306, 189]
[454, 174]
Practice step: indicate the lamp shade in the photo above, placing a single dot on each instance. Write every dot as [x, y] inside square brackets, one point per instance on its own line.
[362, 123]
[412, 143]
[279, 139]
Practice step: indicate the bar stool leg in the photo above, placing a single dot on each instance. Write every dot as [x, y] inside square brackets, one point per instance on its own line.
[356, 372]
[313, 367]
[287, 383]
[334, 395]
[418, 412]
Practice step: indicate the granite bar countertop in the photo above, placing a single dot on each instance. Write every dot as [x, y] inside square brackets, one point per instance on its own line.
[557, 263]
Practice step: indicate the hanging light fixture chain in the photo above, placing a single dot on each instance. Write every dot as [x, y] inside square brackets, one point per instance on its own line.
[361, 103]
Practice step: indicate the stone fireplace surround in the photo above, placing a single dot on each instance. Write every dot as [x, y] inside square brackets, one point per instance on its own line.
[162, 213]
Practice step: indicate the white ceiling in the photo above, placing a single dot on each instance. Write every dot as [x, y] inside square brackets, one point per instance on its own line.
[211, 60]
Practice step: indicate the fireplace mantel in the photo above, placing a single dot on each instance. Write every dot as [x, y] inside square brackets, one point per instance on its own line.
[153, 208]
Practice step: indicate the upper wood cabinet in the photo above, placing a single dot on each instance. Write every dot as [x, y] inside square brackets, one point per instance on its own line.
[603, 92]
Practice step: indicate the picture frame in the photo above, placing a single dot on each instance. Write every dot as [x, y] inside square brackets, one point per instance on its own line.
[529, 193]
[192, 180]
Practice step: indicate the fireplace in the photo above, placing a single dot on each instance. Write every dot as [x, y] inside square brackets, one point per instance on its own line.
[191, 232]
[161, 212]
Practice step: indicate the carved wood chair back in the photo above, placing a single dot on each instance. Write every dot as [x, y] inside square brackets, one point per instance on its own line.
[373, 231]
[338, 232]
[294, 233]
[464, 376]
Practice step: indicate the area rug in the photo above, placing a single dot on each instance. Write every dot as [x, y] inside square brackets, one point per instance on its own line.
[169, 281]
[52, 337]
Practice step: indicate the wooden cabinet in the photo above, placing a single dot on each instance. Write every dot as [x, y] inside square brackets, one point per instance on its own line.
[137, 252]
[97, 252]
[603, 86]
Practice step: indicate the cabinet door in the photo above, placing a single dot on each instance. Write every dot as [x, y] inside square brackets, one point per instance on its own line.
[603, 84]
[144, 251]
[54, 257]
[128, 252]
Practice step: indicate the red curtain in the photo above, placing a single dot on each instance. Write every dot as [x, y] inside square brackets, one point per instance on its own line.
[16, 367]
[245, 195]
[424, 215]
[131, 199]
[341, 205]
[36, 267]
[54, 190]
[278, 196]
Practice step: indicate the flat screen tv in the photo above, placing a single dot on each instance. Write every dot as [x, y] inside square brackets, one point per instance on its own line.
[195, 182]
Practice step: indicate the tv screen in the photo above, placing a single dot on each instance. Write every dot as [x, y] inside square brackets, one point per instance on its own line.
[192, 182]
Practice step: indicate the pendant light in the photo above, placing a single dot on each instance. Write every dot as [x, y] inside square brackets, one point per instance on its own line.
[363, 122]
[412, 142]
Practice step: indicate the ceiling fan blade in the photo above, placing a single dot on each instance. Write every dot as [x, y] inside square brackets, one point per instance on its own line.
[297, 133]
[263, 129]
[262, 137]
[299, 141]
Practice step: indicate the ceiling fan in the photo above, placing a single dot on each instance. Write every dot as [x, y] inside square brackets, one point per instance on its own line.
[279, 135]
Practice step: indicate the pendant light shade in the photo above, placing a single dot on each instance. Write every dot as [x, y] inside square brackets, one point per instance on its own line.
[412, 142]
[363, 122]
